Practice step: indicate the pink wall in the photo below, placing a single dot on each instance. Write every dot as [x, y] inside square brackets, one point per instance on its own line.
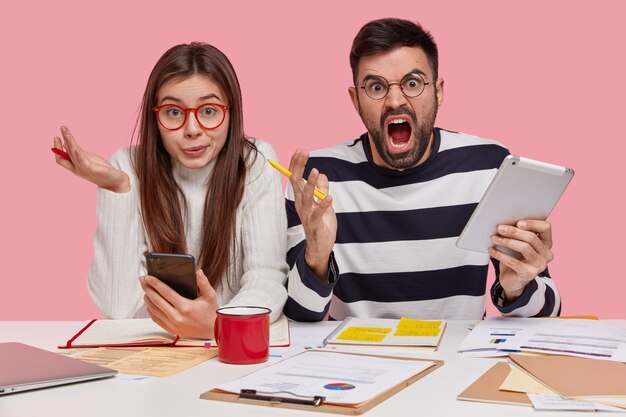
[545, 78]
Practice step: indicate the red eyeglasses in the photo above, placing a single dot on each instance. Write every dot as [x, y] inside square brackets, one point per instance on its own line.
[173, 117]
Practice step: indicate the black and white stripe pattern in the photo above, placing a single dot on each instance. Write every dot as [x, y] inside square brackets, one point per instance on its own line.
[395, 249]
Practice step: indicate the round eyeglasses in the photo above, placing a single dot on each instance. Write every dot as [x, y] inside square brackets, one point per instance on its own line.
[173, 117]
[377, 87]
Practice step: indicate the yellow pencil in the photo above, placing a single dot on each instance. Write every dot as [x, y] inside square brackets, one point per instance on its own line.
[317, 193]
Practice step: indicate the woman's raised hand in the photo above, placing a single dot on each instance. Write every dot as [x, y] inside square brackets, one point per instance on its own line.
[90, 166]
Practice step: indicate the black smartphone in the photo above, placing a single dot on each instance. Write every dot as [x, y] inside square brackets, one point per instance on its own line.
[176, 270]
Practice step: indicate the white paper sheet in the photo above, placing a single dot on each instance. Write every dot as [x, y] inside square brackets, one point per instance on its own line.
[595, 339]
[344, 379]
[555, 402]
[498, 336]
[489, 334]
[619, 354]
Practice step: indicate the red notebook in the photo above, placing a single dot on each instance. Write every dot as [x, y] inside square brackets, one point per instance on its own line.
[145, 332]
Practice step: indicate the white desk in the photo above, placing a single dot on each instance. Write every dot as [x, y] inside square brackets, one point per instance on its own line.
[433, 395]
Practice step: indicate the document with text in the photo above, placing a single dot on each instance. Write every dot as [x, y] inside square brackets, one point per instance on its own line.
[341, 378]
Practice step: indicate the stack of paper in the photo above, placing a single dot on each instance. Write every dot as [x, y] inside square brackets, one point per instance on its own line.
[387, 333]
[553, 383]
[594, 339]
[498, 336]
[599, 383]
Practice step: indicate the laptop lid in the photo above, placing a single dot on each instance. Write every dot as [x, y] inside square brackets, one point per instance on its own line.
[24, 367]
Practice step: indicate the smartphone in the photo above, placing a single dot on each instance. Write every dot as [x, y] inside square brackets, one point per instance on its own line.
[176, 270]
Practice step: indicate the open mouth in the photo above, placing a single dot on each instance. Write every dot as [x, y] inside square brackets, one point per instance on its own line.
[398, 134]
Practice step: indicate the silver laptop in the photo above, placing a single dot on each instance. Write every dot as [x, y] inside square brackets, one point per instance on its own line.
[23, 367]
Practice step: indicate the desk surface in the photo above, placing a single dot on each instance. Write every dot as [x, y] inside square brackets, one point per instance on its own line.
[433, 395]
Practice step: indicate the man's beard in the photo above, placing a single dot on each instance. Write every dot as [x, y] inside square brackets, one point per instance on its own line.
[422, 132]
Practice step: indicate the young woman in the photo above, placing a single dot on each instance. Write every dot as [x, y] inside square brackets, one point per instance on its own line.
[194, 183]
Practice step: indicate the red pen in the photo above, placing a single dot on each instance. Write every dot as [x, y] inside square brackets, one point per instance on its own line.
[61, 153]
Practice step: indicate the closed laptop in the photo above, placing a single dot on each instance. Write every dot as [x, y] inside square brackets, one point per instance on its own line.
[24, 367]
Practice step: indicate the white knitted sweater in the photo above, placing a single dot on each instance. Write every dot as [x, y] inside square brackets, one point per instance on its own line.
[258, 272]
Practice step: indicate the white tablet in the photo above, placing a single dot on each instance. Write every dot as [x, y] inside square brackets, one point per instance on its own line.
[521, 189]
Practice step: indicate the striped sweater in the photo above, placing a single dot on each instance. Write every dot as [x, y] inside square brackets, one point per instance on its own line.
[395, 252]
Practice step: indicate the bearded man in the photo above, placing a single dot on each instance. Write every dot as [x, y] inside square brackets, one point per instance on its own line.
[385, 247]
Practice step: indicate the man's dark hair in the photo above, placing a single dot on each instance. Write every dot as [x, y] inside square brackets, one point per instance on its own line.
[384, 35]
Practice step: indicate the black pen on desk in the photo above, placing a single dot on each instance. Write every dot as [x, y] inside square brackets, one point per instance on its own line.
[251, 394]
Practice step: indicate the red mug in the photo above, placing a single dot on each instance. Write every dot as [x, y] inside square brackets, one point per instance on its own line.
[243, 334]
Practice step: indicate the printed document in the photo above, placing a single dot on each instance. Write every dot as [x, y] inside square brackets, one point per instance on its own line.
[150, 361]
[341, 378]
[595, 339]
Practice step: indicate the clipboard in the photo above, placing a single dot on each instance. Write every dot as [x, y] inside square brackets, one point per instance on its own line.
[319, 403]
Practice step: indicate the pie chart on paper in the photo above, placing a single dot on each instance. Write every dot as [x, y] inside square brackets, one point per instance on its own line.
[339, 386]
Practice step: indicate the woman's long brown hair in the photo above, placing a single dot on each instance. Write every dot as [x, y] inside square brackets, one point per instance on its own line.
[162, 201]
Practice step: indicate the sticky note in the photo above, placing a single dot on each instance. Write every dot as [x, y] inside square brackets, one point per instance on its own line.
[412, 327]
[416, 332]
[364, 334]
[413, 323]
